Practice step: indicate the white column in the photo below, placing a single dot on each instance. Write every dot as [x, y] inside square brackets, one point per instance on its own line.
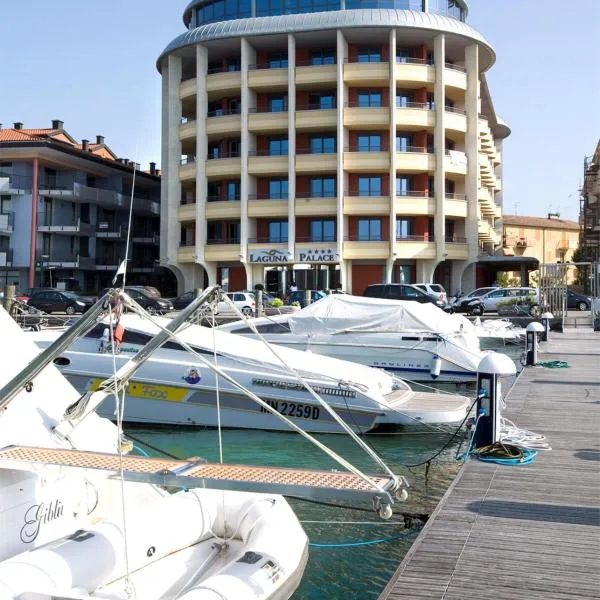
[341, 51]
[291, 145]
[248, 56]
[472, 148]
[170, 194]
[439, 137]
[201, 151]
[392, 148]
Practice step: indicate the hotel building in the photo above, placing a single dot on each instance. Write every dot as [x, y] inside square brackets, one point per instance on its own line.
[337, 143]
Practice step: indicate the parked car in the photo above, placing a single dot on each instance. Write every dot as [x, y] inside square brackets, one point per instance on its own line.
[491, 299]
[403, 291]
[184, 300]
[578, 301]
[244, 302]
[24, 296]
[149, 299]
[299, 296]
[50, 301]
[435, 290]
[471, 302]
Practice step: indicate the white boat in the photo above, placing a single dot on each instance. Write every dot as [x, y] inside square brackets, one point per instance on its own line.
[416, 341]
[498, 331]
[71, 528]
[175, 388]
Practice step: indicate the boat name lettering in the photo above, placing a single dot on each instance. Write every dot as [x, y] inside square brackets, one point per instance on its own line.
[38, 515]
[292, 409]
[298, 387]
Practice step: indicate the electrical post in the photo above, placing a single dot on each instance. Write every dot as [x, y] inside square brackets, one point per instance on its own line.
[546, 325]
[532, 343]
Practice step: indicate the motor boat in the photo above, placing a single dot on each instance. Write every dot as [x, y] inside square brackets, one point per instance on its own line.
[80, 518]
[415, 341]
[177, 388]
[498, 331]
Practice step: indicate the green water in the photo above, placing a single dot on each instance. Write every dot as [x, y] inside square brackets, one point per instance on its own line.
[336, 573]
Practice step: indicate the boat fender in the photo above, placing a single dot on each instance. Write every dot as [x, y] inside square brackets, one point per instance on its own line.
[436, 366]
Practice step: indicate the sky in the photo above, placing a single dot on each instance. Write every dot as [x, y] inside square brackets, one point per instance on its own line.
[91, 64]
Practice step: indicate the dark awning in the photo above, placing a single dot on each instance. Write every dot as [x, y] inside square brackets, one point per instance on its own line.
[509, 263]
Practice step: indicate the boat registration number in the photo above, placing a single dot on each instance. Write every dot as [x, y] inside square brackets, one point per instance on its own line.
[293, 409]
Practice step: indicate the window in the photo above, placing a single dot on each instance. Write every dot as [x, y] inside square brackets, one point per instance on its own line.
[404, 142]
[233, 232]
[278, 146]
[369, 98]
[450, 186]
[278, 103]
[5, 204]
[278, 189]
[369, 230]
[404, 185]
[215, 109]
[234, 147]
[430, 103]
[321, 100]
[368, 55]
[233, 190]
[213, 230]
[404, 98]
[214, 151]
[278, 232]
[322, 144]
[323, 57]
[449, 144]
[369, 185]
[404, 55]
[322, 230]
[411, 292]
[277, 60]
[404, 228]
[323, 187]
[368, 142]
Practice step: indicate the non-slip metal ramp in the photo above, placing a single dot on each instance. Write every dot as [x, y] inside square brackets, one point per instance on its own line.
[198, 473]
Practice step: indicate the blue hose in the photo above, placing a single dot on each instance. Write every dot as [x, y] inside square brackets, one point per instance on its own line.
[357, 544]
[140, 451]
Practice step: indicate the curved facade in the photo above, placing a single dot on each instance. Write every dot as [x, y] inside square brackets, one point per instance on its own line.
[337, 148]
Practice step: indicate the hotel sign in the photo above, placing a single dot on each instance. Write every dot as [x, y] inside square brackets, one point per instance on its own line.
[312, 254]
[270, 256]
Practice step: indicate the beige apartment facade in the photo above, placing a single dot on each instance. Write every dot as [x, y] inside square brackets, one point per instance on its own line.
[337, 148]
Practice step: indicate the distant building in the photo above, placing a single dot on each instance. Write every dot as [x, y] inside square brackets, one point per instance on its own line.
[64, 209]
[590, 208]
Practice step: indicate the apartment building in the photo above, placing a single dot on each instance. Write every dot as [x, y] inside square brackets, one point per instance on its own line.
[64, 209]
[590, 208]
[336, 144]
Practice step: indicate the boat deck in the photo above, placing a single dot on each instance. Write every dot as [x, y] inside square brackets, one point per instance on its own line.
[523, 533]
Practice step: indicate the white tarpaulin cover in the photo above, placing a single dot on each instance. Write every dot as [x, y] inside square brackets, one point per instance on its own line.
[339, 312]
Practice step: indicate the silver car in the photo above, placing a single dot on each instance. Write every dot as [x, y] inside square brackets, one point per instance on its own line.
[491, 299]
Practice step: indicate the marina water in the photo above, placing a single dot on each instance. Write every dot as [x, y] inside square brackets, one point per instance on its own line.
[352, 569]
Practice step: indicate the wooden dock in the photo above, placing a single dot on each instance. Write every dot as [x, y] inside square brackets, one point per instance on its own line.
[526, 533]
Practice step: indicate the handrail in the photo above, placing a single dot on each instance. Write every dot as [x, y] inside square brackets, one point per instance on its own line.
[413, 150]
[454, 67]
[455, 197]
[265, 153]
[411, 60]
[266, 66]
[268, 240]
[355, 103]
[187, 160]
[365, 62]
[456, 240]
[223, 69]
[452, 109]
[423, 237]
[267, 196]
[419, 105]
[315, 106]
[230, 154]
[223, 241]
[304, 195]
[266, 109]
[357, 194]
[413, 194]
[223, 198]
[311, 151]
[223, 112]
[356, 148]
[355, 238]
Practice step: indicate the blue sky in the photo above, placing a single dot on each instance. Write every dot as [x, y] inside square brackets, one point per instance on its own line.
[91, 63]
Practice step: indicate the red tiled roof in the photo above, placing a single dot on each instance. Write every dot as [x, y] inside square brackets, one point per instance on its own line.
[541, 222]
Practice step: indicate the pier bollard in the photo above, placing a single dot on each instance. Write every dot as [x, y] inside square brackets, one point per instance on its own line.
[546, 325]
[10, 292]
[491, 369]
[532, 331]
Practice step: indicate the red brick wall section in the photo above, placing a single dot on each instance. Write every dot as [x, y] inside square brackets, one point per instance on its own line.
[237, 279]
[302, 185]
[421, 52]
[302, 229]
[261, 58]
[262, 144]
[364, 275]
[262, 229]
[302, 143]
[421, 95]
[262, 101]
[352, 96]
[421, 140]
[262, 186]
[302, 56]
[420, 225]
[302, 100]
[421, 183]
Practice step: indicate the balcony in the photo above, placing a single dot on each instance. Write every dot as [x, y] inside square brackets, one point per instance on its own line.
[223, 209]
[367, 161]
[187, 89]
[414, 246]
[455, 205]
[521, 242]
[308, 75]
[148, 236]
[366, 117]
[455, 161]
[226, 82]
[53, 224]
[261, 77]
[107, 230]
[414, 70]
[413, 159]
[414, 203]
[186, 254]
[14, 184]
[312, 206]
[6, 258]
[187, 168]
[222, 249]
[267, 165]
[367, 73]
[7, 222]
[186, 212]
[455, 119]
[187, 129]
[225, 124]
[227, 164]
[412, 116]
[70, 261]
[455, 76]
[368, 249]
[314, 117]
[457, 248]
[266, 121]
[262, 205]
[366, 205]
[307, 162]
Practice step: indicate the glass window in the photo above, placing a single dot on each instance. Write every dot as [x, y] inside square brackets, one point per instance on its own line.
[278, 147]
[233, 190]
[403, 228]
[368, 55]
[369, 185]
[278, 189]
[323, 57]
[218, 10]
[369, 230]
[404, 55]
[369, 98]
[277, 60]
[278, 232]
[404, 185]
[321, 100]
[278, 103]
[322, 145]
[215, 109]
[322, 187]
[213, 230]
[368, 142]
[214, 151]
[322, 230]
[234, 148]
[404, 98]
[404, 142]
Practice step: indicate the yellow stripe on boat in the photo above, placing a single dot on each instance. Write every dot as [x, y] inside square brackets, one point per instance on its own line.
[149, 391]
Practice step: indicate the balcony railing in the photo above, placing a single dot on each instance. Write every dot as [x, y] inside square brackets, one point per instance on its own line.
[227, 241]
[369, 148]
[6, 257]
[366, 238]
[372, 60]
[325, 239]
[7, 222]
[268, 110]
[267, 153]
[267, 196]
[223, 198]
[412, 60]
[10, 181]
[417, 105]
[224, 112]
[223, 69]
[455, 110]
[265, 239]
[365, 193]
[187, 243]
[413, 149]
[266, 65]
[309, 63]
[455, 197]
[413, 194]
[313, 151]
[360, 104]
[316, 106]
[187, 160]
[331, 196]
[454, 67]
[423, 237]
[185, 120]
[454, 239]
[220, 155]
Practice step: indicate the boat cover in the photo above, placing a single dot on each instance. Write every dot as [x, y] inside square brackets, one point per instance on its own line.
[340, 313]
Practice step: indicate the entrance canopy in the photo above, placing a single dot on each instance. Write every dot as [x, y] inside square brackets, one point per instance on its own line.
[488, 267]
